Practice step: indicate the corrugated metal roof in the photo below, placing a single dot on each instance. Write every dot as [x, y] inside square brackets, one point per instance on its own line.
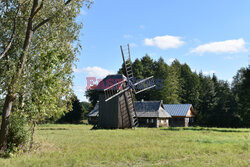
[150, 109]
[95, 111]
[143, 109]
[177, 109]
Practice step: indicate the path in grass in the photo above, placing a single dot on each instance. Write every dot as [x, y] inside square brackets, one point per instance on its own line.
[77, 145]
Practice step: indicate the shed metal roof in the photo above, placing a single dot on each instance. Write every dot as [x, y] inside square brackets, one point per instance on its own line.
[150, 109]
[177, 109]
[95, 111]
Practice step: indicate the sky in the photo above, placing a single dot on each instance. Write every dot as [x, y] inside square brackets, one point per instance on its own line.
[211, 36]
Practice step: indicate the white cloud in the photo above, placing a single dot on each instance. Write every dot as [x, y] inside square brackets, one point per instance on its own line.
[228, 46]
[164, 42]
[171, 60]
[127, 36]
[94, 71]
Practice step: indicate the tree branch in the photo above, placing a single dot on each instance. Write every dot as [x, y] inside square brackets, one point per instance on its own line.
[67, 2]
[37, 10]
[48, 19]
[41, 24]
[12, 35]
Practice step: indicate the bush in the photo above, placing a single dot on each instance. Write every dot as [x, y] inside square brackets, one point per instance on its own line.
[18, 133]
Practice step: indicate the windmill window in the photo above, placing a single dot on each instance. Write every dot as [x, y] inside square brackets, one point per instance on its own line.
[152, 120]
[147, 120]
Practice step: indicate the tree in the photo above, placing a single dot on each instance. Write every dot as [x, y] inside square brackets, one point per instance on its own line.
[137, 69]
[241, 91]
[93, 95]
[206, 101]
[161, 70]
[43, 42]
[189, 84]
[224, 110]
[170, 87]
[75, 115]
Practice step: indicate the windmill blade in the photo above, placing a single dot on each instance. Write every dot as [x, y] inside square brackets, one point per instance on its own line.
[115, 90]
[127, 62]
[144, 84]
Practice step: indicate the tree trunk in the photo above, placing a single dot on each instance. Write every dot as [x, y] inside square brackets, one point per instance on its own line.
[32, 135]
[10, 98]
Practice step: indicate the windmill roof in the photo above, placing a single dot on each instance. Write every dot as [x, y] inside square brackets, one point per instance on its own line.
[143, 109]
[110, 80]
[177, 109]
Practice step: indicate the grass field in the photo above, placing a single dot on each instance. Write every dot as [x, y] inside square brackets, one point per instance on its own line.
[77, 145]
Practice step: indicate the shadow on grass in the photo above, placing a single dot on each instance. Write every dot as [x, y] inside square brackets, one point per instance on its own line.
[204, 129]
[53, 129]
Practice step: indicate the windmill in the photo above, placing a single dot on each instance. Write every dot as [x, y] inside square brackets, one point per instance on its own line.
[116, 107]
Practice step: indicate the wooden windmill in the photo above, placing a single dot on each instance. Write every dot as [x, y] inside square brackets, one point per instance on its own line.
[116, 103]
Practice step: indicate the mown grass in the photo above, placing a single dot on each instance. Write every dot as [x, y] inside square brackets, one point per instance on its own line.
[77, 145]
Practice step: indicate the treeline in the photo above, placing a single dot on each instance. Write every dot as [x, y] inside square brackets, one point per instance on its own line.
[77, 114]
[216, 102]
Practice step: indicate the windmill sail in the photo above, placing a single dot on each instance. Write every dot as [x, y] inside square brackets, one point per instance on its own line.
[115, 90]
[127, 61]
[144, 84]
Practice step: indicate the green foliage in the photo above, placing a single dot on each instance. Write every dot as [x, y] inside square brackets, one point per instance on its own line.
[170, 88]
[86, 107]
[18, 135]
[241, 90]
[75, 115]
[92, 95]
[36, 71]
[189, 84]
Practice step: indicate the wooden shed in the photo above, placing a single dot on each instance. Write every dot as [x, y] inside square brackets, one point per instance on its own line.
[182, 114]
[152, 114]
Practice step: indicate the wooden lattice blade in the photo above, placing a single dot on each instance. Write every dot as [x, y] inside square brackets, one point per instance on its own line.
[144, 84]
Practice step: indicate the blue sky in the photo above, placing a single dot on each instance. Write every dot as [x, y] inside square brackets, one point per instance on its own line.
[209, 35]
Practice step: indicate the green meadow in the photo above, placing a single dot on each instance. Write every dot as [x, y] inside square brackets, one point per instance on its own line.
[78, 145]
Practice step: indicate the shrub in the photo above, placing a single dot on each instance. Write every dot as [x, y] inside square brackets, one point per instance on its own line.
[18, 133]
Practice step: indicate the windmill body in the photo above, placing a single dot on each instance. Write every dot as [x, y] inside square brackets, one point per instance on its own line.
[116, 97]
[115, 113]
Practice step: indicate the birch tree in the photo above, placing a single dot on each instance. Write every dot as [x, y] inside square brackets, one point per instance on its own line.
[38, 46]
